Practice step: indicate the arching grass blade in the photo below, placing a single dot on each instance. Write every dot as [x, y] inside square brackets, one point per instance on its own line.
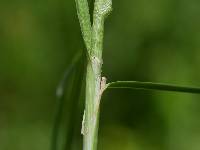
[60, 99]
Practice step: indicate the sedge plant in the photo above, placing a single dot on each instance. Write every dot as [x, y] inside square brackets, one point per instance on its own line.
[95, 84]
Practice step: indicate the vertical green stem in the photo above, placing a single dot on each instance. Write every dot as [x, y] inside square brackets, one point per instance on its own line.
[93, 38]
[94, 82]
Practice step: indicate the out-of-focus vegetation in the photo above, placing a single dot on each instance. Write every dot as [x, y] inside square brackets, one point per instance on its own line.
[157, 40]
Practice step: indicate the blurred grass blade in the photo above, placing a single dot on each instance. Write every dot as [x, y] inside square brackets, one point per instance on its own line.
[73, 108]
[62, 84]
[153, 86]
[60, 99]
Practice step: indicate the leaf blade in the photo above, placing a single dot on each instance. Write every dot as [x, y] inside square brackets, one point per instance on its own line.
[60, 98]
[85, 23]
[153, 86]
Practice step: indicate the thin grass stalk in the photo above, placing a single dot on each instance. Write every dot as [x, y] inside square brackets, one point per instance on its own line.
[94, 82]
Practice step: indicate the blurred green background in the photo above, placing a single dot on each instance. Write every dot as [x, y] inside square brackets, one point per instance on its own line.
[145, 40]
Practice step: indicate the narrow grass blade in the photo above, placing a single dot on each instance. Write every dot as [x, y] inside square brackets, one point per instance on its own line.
[153, 86]
[73, 108]
[60, 99]
[85, 23]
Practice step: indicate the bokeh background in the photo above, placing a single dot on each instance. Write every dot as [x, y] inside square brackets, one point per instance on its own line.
[145, 40]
